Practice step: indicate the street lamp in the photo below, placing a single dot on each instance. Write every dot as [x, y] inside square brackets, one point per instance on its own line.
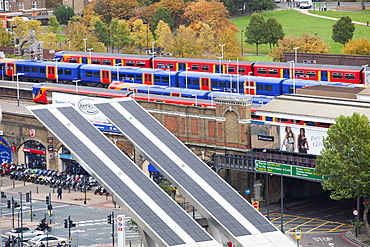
[56, 69]
[295, 53]
[118, 64]
[69, 44]
[152, 53]
[241, 40]
[76, 81]
[365, 79]
[222, 51]
[90, 49]
[186, 77]
[220, 69]
[18, 74]
[84, 43]
[196, 99]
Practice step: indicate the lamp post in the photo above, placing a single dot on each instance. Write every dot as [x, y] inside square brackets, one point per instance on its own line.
[18, 74]
[241, 40]
[365, 79]
[118, 64]
[69, 44]
[222, 51]
[56, 69]
[220, 69]
[196, 99]
[186, 77]
[90, 49]
[295, 53]
[84, 43]
[152, 53]
[249, 82]
[76, 81]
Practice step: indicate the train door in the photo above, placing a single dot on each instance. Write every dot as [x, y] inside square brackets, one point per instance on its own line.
[105, 76]
[84, 60]
[10, 69]
[286, 73]
[51, 72]
[250, 87]
[324, 76]
[219, 68]
[148, 79]
[205, 84]
[181, 66]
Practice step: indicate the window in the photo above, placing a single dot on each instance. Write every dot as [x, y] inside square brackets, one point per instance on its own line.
[72, 60]
[1, 5]
[171, 65]
[60, 71]
[222, 83]
[34, 6]
[114, 76]
[140, 64]
[261, 71]
[130, 63]
[19, 68]
[337, 75]
[68, 72]
[6, 6]
[139, 78]
[214, 83]
[241, 70]
[106, 62]
[88, 74]
[27, 69]
[21, 5]
[299, 72]
[194, 82]
[260, 87]
[95, 61]
[205, 67]
[268, 88]
[165, 79]
[231, 69]
[348, 76]
[96, 74]
[157, 79]
[273, 72]
[195, 67]
[42, 70]
[311, 73]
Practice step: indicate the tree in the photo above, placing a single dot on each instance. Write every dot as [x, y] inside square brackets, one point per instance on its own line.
[161, 14]
[164, 36]
[51, 41]
[4, 36]
[63, 14]
[184, 45]
[53, 24]
[121, 34]
[357, 47]
[256, 31]
[306, 43]
[343, 30]
[141, 35]
[345, 160]
[274, 31]
[101, 30]
[110, 9]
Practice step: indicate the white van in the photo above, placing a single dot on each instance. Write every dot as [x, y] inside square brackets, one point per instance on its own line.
[304, 4]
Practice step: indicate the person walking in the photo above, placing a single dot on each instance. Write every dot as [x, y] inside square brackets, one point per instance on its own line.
[59, 191]
[42, 244]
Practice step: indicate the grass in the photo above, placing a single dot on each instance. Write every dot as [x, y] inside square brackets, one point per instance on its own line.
[294, 22]
[362, 16]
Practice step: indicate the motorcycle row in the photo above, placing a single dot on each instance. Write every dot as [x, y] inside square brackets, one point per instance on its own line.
[52, 178]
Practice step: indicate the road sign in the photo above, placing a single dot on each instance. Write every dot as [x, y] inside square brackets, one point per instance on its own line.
[355, 212]
[32, 132]
[298, 234]
[256, 204]
[247, 191]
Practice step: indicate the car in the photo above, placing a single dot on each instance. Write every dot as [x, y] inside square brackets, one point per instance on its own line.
[26, 232]
[48, 240]
[277, 1]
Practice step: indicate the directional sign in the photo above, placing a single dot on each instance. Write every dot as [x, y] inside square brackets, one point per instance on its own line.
[298, 234]
[247, 191]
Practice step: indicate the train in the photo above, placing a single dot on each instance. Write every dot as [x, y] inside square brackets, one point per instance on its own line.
[306, 71]
[103, 75]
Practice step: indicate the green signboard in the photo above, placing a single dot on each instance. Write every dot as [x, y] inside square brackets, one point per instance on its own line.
[295, 171]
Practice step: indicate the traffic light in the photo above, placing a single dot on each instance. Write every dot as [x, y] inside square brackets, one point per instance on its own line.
[47, 200]
[71, 224]
[27, 197]
[3, 194]
[109, 219]
[50, 207]
[8, 204]
[65, 223]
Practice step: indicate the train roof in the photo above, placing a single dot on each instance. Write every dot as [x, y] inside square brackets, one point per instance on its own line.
[62, 53]
[81, 88]
[46, 63]
[310, 65]
[301, 82]
[126, 69]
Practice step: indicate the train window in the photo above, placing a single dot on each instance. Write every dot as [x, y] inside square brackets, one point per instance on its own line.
[273, 72]
[88, 74]
[27, 69]
[337, 75]
[311, 73]
[349, 76]
[194, 67]
[160, 65]
[42, 70]
[130, 63]
[72, 60]
[299, 72]
[241, 70]
[95, 61]
[231, 69]
[96, 74]
[35, 70]
[19, 68]
[260, 87]
[60, 71]
[214, 83]
[309, 123]
[140, 64]
[138, 77]
[68, 72]
[269, 119]
[284, 120]
[222, 83]
[106, 62]
[165, 79]
[157, 79]
[114, 76]
[205, 67]
[195, 81]
[261, 71]
[170, 65]
[268, 88]
[325, 125]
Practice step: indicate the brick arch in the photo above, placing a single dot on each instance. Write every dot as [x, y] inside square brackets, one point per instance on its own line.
[227, 109]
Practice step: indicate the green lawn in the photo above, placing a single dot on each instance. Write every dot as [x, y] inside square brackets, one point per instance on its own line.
[362, 16]
[296, 23]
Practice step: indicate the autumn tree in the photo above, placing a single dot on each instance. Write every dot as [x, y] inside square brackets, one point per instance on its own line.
[110, 9]
[357, 47]
[274, 31]
[51, 41]
[343, 30]
[345, 160]
[101, 31]
[141, 35]
[121, 34]
[206, 40]
[21, 31]
[161, 14]
[164, 37]
[184, 45]
[53, 24]
[63, 14]
[306, 43]
[35, 25]
[4, 36]
[256, 31]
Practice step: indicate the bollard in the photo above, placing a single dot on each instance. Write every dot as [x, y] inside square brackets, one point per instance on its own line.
[69, 189]
[53, 189]
[13, 184]
[37, 189]
[24, 183]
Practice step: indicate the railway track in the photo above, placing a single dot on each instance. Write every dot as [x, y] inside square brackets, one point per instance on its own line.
[9, 90]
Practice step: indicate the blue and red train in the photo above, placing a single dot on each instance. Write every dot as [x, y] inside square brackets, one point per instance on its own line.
[316, 72]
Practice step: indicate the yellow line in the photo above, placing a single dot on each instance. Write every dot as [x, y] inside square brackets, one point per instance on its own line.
[317, 227]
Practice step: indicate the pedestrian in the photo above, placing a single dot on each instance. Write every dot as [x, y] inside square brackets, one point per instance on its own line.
[338, 4]
[59, 245]
[59, 191]
[42, 244]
